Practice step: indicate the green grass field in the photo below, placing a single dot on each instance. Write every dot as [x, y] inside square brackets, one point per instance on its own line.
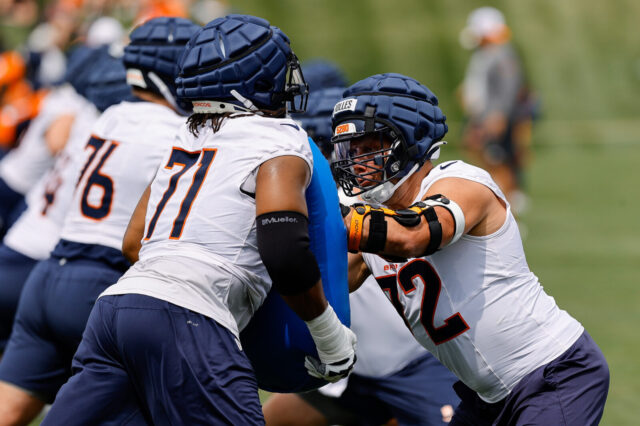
[584, 245]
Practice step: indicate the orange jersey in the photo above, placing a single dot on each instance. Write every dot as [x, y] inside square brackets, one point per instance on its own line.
[19, 104]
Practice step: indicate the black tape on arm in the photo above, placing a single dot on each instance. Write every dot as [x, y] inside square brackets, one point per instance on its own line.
[435, 231]
[377, 232]
[283, 243]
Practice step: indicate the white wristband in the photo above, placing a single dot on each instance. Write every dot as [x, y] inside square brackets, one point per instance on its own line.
[329, 336]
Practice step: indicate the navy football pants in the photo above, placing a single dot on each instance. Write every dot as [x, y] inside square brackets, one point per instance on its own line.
[52, 312]
[14, 270]
[146, 361]
[12, 205]
[570, 390]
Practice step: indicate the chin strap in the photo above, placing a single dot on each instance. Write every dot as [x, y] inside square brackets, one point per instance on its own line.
[246, 102]
[382, 193]
[137, 78]
[165, 92]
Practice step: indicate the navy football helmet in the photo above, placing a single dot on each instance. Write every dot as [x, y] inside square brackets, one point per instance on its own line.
[322, 74]
[316, 120]
[108, 83]
[79, 66]
[152, 56]
[403, 115]
[241, 63]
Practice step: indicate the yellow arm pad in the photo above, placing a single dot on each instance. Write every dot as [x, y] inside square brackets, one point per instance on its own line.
[408, 217]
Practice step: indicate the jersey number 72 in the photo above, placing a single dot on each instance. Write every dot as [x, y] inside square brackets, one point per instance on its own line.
[421, 271]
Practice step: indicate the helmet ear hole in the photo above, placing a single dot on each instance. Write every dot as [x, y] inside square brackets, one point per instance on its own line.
[420, 133]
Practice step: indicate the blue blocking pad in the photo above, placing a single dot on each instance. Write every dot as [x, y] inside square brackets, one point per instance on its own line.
[276, 340]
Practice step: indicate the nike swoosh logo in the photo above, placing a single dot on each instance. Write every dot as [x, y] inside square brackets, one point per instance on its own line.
[444, 166]
[295, 126]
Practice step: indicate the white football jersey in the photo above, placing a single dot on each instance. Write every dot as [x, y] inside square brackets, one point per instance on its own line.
[37, 231]
[200, 228]
[385, 344]
[120, 159]
[23, 166]
[475, 304]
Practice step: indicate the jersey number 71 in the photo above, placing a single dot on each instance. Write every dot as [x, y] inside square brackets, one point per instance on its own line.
[184, 160]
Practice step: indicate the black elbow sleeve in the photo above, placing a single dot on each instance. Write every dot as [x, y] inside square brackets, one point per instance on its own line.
[283, 243]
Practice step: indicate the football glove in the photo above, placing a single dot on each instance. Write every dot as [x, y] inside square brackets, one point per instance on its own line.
[336, 346]
[329, 372]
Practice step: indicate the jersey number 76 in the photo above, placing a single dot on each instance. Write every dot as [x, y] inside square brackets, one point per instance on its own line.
[97, 179]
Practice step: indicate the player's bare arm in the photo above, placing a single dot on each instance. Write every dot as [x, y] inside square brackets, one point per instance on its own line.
[283, 243]
[358, 271]
[58, 132]
[483, 213]
[132, 241]
[280, 187]
[483, 210]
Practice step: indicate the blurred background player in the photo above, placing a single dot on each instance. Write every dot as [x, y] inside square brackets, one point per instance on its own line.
[459, 278]
[322, 74]
[37, 231]
[34, 154]
[497, 102]
[24, 165]
[121, 158]
[19, 101]
[395, 379]
[226, 218]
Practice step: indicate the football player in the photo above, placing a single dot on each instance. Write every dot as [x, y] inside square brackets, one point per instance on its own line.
[121, 158]
[223, 219]
[394, 377]
[322, 74]
[447, 252]
[37, 230]
[24, 165]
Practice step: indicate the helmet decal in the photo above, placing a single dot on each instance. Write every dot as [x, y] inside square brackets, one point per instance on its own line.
[345, 105]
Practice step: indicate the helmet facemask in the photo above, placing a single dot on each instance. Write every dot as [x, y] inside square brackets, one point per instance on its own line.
[364, 161]
[296, 89]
